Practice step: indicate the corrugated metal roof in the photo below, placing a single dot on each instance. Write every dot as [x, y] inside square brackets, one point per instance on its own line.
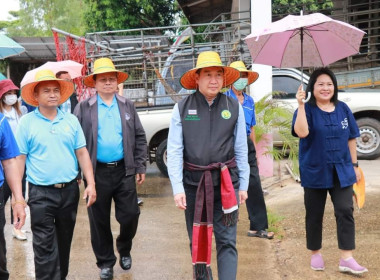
[37, 49]
[42, 49]
[202, 11]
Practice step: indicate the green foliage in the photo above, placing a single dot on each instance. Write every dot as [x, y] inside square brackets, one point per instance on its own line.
[4, 25]
[199, 30]
[274, 223]
[284, 7]
[270, 116]
[103, 15]
[36, 18]
[3, 67]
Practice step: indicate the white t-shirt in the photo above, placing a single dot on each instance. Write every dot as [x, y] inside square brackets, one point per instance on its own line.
[13, 118]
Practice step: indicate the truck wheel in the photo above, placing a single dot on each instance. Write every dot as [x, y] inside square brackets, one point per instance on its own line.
[161, 157]
[368, 144]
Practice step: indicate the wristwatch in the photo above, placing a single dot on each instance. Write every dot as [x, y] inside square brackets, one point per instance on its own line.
[356, 164]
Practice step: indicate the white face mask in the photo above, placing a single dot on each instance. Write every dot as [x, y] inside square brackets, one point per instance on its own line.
[10, 99]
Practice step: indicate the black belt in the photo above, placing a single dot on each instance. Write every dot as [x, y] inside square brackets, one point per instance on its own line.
[110, 164]
[55, 186]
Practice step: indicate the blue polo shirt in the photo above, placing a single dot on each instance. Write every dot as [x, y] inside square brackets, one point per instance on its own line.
[50, 147]
[326, 147]
[110, 135]
[249, 110]
[8, 146]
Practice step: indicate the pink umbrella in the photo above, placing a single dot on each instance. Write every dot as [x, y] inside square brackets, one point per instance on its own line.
[296, 41]
[72, 67]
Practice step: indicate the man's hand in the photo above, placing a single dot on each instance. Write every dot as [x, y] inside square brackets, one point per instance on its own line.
[180, 201]
[140, 178]
[19, 214]
[90, 194]
[243, 195]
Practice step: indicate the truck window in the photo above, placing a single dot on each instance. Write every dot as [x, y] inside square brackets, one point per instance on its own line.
[285, 86]
[179, 66]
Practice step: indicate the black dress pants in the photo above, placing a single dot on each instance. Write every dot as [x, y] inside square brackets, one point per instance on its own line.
[256, 208]
[4, 275]
[315, 201]
[225, 237]
[111, 183]
[53, 214]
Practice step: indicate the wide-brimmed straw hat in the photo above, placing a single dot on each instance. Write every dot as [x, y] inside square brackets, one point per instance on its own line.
[27, 91]
[209, 59]
[101, 66]
[6, 85]
[252, 75]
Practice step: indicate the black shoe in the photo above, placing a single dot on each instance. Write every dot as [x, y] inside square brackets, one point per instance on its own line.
[125, 262]
[106, 273]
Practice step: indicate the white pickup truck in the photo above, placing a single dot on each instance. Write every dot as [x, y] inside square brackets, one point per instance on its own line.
[365, 105]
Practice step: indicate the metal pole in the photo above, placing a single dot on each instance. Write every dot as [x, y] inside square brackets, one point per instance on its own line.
[86, 40]
[301, 37]
[308, 94]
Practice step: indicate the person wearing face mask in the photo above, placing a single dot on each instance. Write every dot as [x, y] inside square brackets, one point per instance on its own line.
[257, 211]
[11, 109]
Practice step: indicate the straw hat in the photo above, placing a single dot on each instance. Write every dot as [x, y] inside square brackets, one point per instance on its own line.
[252, 75]
[5, 86]
[27, 91]
[208, 59]
[101, 66]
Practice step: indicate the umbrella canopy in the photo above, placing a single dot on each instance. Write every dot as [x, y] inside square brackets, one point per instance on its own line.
[313, 40]
[8, 47]
[72, 67]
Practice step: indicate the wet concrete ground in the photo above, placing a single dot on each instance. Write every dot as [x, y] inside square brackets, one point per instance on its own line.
[161, 251]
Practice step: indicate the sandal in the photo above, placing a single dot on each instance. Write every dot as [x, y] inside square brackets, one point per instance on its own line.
[261, 234]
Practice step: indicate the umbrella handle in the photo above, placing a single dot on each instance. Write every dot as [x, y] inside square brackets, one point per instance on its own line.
[307, 98]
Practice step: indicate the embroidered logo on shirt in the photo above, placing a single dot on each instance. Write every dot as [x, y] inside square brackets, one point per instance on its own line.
[226, 114]
[127, 116]
[192, 112]
[344, 123]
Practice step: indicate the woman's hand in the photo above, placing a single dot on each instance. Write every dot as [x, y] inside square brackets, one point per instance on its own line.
[357, 173]
[301, 95]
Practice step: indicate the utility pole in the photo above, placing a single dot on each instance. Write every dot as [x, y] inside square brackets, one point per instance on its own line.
[261, 15]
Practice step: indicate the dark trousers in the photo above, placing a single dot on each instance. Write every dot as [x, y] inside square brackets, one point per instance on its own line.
[256, 208]
[53, 214]
[8, 192]
[111, 183]
[225, 237]
[4, 275]
[315, 201]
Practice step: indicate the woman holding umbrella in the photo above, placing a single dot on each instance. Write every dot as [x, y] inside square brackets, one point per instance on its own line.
[328, 164]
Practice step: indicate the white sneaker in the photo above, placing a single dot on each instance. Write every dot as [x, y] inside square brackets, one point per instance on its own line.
[18, 234]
